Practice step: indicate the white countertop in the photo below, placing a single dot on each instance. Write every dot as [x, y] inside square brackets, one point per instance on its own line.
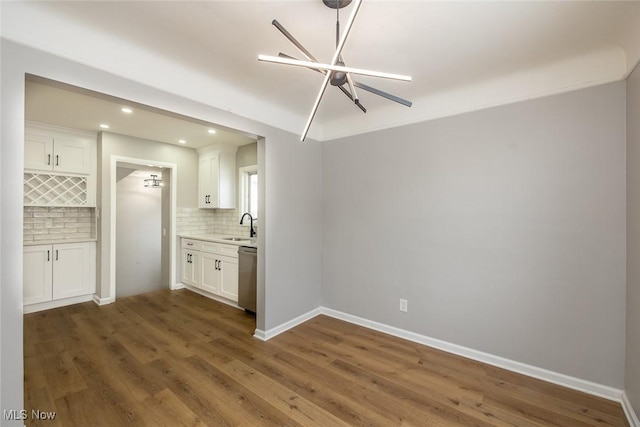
[221, 238]
[57, 241]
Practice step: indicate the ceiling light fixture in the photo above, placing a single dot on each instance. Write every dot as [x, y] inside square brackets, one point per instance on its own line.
[153, 182]
[335, 72]
[104, 126]
[126, 110]
[211, 131]
[182, 141]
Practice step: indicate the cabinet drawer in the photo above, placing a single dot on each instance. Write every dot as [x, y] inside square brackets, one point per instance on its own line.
[220, 249]
[191, 244]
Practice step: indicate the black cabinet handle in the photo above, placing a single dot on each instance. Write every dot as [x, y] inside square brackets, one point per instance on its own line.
[56, 254]
[219, 265]
[48, 159]
[57, 163]
[48, 255]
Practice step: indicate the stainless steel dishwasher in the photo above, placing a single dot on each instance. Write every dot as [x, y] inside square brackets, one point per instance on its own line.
[247, 277]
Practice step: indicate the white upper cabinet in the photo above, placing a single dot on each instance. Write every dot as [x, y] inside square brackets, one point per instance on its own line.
[54, 151]
[59, 166]
[217, 179]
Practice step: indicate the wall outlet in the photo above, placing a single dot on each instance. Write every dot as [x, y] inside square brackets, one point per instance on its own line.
[403, 305]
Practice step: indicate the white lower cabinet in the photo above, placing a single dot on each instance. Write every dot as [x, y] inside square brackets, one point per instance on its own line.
[37, 274]
[212, 267]
[58, 272]
[191, 267]
[228, 269]
[209, 273]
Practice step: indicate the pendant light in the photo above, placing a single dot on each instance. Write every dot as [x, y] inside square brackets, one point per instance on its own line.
[153, 182]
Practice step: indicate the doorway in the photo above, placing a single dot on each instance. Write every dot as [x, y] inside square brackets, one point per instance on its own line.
[142, 243]
[139, 230]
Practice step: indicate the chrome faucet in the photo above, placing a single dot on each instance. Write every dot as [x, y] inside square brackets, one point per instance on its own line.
[252, 232]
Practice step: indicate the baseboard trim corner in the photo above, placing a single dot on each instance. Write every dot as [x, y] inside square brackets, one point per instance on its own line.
[632, 417]
[267, 335]
[102, 301]
[260, 334]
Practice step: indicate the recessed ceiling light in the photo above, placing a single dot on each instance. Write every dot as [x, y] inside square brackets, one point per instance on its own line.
[182, 141]
[211, 131]
[104, 126]
[126, 110]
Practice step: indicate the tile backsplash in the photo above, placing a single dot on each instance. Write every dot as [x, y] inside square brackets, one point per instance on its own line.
[194, 221]
[208, 221]
[61, 223]
[58, 223]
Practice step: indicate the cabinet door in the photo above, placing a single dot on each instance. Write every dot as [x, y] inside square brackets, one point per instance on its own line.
[187, 268]
[228, 269]
[208, 171]
[37, 274]
[210, 275]
[204, 182]
[38, 151]
[190, 267]
[72, 154]
[73, 271]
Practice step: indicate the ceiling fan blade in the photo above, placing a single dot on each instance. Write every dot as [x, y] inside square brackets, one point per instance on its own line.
[336, 55]
[333, 67]
[383, 94]
[346, 92]
[292, 39]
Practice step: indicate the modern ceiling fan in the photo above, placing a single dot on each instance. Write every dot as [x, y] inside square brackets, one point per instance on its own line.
[335, 72]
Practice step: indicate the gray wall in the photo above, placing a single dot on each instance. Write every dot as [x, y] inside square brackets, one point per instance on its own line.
[633, 240]
[288, 170]
[504, 229]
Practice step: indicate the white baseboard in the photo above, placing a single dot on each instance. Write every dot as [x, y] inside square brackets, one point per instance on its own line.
[33, 308]
[267, 335]
[585, 386]
[177, 286]
[260, 334]
[102, 301]
[632, 417]
[210, 296]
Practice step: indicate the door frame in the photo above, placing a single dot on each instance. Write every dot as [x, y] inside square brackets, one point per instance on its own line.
[172, 220]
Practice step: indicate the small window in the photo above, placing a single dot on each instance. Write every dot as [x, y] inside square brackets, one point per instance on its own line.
[249, 190]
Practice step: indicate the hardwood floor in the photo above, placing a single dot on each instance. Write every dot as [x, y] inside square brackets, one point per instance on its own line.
[172, 358]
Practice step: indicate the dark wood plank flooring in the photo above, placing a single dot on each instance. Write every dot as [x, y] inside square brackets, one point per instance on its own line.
[175, 358]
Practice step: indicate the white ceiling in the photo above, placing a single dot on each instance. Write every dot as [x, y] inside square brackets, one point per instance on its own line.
[63, 105]
[461, 55]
